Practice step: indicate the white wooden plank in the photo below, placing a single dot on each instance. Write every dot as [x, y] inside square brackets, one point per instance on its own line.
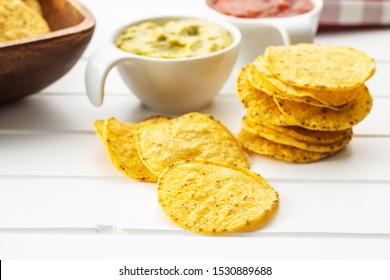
[377, 121]
[53, 155]
[78, 203]
[156, 246]
[378, 84]
[75, 113]
[363, 159]
[366, 158]
[327, 207]
[375, 42]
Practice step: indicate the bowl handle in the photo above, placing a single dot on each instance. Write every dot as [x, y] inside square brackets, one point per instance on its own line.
[299, 30]
[98, 67]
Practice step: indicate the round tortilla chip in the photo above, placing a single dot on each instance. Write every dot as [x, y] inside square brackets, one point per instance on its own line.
[317, 118]
[214, 198]
[278, 137]
[17, 21]
[258, 81]
[332, 99]
[262, 146]
[119, 139]
[320, 67]
[258, 104]
[191, 136]
[300, 133]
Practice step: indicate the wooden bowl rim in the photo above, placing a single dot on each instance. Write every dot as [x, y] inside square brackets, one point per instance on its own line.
[86, 24]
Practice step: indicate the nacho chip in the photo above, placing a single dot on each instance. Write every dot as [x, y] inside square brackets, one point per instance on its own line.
[332, 99]
[258, 104]
[299, 133]
[262, 146]
[17, 21]
[214, 198]
[320, 67]
[258, 81]
[34, 5]
[98, 127]
[278, 137]
[317, 118]
[191, 136]
[119, 140]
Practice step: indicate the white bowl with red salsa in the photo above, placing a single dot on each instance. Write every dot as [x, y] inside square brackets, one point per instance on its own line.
[267, 22]
[261, 8]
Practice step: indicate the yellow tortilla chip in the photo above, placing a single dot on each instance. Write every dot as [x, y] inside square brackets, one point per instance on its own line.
[258, 81]
[300, 133]
[262, 146]
[328, 98]
[278, 137]
[98, 127]
[191, 136]
[119, 139]
[316, 118]
[258, 104]
[215, 198]
[34, 5]
[320, 67]
[17, 21]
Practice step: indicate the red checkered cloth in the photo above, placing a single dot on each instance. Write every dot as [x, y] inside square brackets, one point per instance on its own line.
[355, 13]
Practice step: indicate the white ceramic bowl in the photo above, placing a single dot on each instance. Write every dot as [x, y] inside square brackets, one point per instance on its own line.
[164, 85]
[259, 33]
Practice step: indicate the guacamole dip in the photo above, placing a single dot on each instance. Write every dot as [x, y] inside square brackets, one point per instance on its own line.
[174, 39]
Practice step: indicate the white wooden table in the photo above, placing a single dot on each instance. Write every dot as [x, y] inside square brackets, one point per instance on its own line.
[60, 197]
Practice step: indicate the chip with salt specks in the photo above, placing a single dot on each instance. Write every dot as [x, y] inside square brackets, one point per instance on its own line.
[191, 136]
[262, 146]
[285, 139]
[215, 199]
[119, 139]
[324, 97]
[257, 103]
[320, 67]
[274, 87]
[300, 133]
[258, 81]
[317, 118]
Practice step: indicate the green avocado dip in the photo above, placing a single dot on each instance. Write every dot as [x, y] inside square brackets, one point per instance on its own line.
[174, 39]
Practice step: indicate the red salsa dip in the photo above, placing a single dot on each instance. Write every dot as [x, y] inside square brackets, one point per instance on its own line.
[261, 8]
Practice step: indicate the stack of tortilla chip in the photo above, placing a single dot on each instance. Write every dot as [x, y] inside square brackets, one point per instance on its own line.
[303, 100]
[21, 19]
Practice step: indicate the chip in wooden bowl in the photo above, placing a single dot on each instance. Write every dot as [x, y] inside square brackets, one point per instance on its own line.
[32, 63]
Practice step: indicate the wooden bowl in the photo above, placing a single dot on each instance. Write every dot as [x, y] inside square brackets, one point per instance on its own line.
[31, 64]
